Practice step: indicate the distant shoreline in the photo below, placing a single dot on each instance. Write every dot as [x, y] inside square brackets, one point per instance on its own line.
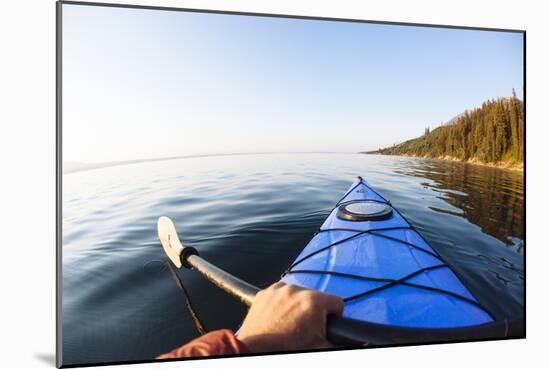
[515, 167]
[492, 135]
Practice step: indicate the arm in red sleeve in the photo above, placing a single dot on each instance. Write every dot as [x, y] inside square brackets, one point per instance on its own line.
[220, 342]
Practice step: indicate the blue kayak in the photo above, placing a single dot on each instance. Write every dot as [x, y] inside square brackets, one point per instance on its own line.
[370, 255]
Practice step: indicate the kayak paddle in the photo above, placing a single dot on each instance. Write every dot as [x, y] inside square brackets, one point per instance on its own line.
[340, 331]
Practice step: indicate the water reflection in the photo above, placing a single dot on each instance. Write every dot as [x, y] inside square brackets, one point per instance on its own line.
[491, 198]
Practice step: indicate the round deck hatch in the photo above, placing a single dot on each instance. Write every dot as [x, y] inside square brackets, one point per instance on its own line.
[358, 211]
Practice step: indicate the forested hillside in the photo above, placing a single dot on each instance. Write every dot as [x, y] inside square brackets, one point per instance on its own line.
[493, 133]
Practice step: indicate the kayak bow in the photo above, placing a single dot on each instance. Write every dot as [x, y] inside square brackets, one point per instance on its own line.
[370, 255]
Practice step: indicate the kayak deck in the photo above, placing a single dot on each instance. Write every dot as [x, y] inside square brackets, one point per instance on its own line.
[384, 270]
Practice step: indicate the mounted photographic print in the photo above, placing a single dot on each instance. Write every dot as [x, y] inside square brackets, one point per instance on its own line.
[239, 184]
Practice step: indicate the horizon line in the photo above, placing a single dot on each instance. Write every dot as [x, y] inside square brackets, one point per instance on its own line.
[82, 166]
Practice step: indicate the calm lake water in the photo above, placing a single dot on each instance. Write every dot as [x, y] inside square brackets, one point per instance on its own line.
[251, 215]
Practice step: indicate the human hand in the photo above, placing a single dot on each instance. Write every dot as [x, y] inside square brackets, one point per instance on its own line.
[287, 317]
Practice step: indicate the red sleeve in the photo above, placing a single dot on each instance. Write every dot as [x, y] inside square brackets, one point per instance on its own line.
[220, 342]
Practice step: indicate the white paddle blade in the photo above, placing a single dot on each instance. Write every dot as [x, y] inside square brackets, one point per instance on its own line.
[169, 239]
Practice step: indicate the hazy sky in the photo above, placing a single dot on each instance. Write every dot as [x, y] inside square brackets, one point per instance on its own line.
[146, 83]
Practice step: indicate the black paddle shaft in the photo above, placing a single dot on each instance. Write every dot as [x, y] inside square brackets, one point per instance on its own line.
[350, 332]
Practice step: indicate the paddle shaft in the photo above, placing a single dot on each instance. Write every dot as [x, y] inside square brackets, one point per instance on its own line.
[240, 289]
[337, 331]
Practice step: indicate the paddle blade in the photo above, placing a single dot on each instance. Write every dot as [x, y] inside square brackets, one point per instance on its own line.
[169, 239]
